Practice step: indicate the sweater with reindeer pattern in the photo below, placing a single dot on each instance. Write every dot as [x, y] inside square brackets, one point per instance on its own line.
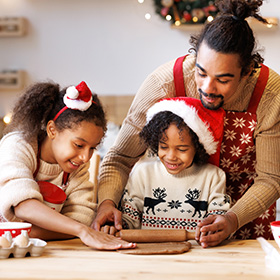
[154, 198]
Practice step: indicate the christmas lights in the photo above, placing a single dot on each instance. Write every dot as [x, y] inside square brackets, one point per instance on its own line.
[186, 11]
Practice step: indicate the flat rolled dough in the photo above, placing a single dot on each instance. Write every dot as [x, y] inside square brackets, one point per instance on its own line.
[158, 248]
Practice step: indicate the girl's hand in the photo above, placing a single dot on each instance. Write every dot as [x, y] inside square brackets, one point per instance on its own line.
[216, 228]
[103, 241]
[51, 225]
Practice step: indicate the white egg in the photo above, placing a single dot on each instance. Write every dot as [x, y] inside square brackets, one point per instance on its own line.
[8, 236]
[4, 242]
[21, 240]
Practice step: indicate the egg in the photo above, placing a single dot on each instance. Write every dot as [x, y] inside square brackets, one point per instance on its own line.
[8, 236]
[21, 240]
[4, 242]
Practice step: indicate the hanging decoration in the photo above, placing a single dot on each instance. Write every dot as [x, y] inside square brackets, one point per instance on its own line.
[186, 11]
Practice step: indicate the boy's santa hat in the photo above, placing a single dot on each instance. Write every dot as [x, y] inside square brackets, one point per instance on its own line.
[207, 124]
[79, 97]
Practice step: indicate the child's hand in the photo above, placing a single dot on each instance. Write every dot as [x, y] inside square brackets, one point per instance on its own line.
[109, 229]
[49, 225]
[103, 241]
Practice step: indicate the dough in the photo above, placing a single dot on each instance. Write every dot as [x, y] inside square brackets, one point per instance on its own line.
[158, 248]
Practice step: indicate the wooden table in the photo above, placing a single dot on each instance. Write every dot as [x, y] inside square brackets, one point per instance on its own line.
[72, 260]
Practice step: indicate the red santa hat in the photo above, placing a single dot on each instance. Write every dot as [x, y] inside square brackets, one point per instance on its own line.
[76, 98]
[207, 124]
[79, 97]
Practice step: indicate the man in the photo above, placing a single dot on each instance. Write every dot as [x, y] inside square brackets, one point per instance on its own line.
[224, 72]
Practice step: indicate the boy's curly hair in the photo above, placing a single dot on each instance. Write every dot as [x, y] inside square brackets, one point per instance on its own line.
[154, 131]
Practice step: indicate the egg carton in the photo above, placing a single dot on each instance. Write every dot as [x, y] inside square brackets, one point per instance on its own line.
[35, 248]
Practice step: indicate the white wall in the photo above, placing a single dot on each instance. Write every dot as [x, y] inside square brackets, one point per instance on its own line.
[107, 43]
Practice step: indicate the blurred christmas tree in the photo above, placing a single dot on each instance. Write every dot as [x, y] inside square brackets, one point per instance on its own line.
[186, 11]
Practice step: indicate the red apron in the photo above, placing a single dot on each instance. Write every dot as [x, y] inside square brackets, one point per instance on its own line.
[64, 185]
[238, 153]
[65, 176]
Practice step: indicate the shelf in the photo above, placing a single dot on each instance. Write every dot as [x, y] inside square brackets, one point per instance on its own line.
[11, 80]
[254, 24]
[188, 27]
[12, 26]
[259, 26]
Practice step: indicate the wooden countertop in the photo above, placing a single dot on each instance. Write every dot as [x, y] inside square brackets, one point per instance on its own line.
[71, 259]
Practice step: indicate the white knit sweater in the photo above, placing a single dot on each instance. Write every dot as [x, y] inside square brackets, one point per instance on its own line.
[154, 198]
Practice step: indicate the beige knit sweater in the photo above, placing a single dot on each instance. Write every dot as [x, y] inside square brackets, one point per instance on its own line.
[127, 150]
[17, 165]
[156, 199]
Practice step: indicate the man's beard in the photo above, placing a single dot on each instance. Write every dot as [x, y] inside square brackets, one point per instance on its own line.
[211, 106]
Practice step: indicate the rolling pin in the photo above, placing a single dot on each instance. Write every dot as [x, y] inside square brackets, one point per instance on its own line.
[155, 235]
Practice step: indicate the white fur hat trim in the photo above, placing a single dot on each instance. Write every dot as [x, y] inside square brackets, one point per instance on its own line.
[190, 117]
[71, 102]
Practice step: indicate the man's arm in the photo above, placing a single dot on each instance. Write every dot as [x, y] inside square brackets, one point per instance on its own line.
[127, 150]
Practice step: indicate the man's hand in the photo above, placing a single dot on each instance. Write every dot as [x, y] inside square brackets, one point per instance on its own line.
[107, 213]
[215, 228]
[109, 229]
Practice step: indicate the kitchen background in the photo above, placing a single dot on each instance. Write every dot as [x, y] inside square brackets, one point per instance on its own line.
[111, 44]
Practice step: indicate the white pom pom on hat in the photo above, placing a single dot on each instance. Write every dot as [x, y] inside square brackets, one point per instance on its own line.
[79, 97]
[207, 124]
[72, 92]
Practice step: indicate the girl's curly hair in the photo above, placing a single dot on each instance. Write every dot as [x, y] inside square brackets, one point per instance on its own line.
[154, 131]
[41, 102]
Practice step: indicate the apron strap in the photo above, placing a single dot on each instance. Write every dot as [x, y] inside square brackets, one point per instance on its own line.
[179, 77]
[38, 163]
[65, 178]
[259, 89]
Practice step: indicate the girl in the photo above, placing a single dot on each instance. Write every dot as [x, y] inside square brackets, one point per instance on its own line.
[181, 188]
[52, 136]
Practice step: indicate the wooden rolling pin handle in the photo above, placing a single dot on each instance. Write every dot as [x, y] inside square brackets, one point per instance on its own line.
[151, 235]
